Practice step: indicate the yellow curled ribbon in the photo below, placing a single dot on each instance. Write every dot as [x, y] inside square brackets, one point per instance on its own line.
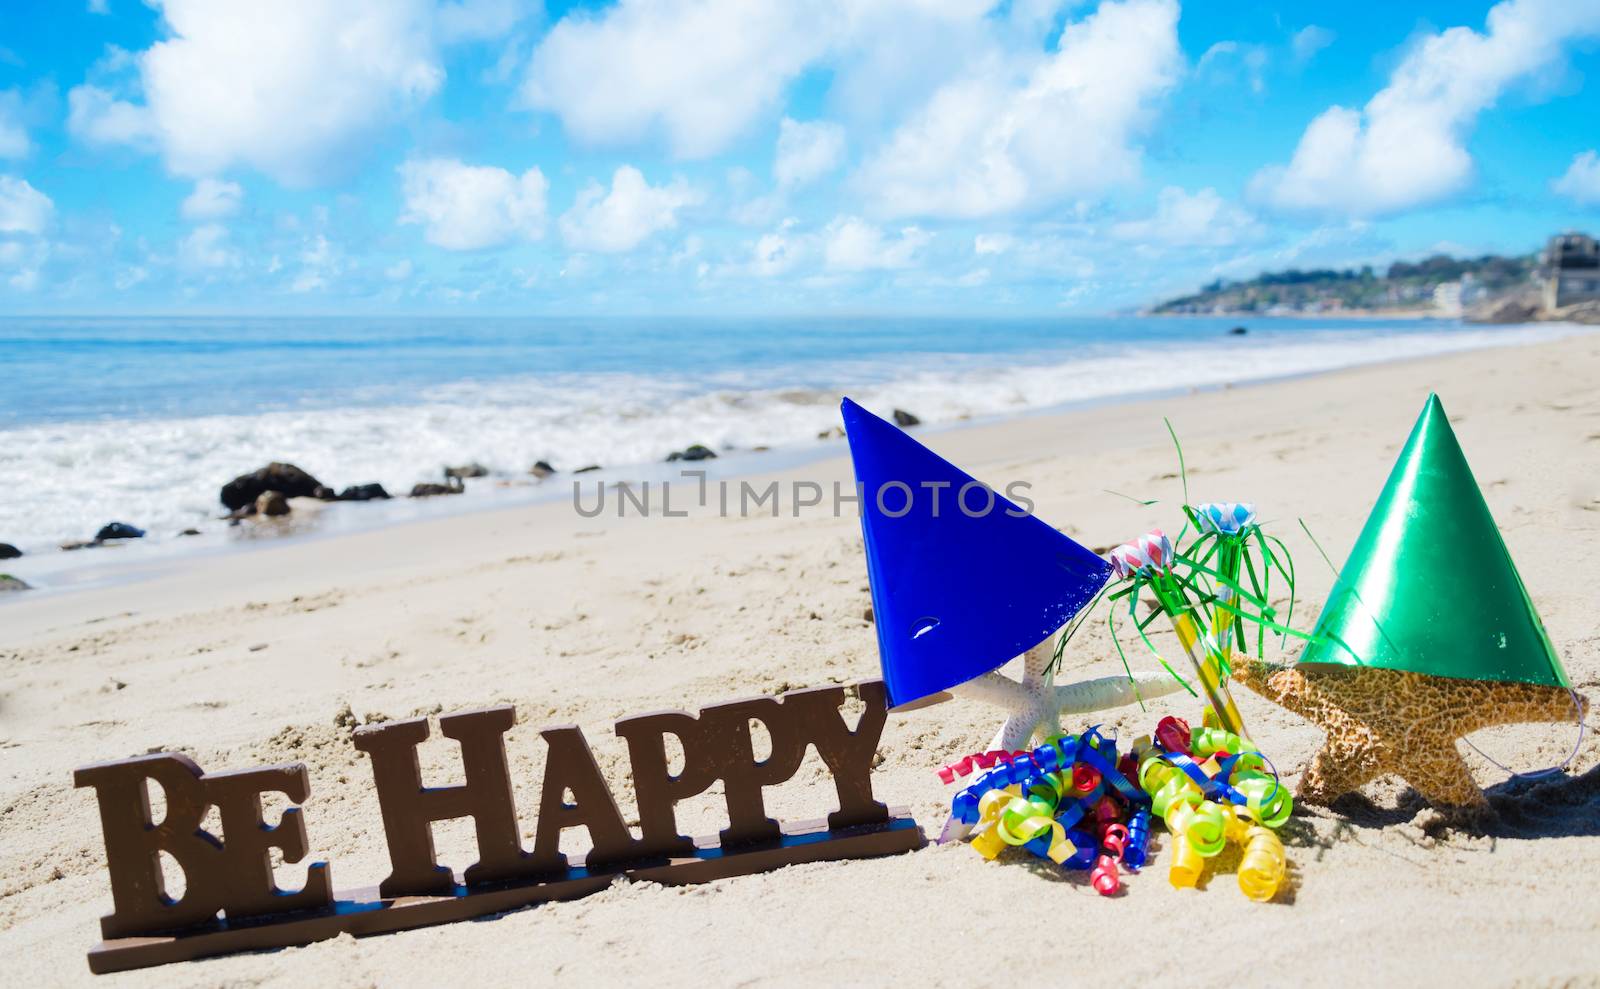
[1263, 867]
[1007, 818]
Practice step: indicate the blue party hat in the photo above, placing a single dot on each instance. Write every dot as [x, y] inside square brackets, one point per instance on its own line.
[960, 584]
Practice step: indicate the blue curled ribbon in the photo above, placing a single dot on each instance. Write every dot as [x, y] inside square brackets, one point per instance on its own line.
[1212, 787]
[1059, 755]
[1087, 845]
[1137, 850]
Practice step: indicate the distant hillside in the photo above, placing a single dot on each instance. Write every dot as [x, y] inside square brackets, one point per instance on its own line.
[1405, 286]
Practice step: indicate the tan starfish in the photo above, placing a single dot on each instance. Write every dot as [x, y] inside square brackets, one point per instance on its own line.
[1380, 722]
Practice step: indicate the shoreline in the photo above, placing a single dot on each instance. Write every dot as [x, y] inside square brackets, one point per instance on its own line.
[985, 439]
[269, 657]
[51, 572]
[1358, 314]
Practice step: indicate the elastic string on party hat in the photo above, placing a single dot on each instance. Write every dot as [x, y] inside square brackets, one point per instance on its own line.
[1539, 774]
[1533, 774]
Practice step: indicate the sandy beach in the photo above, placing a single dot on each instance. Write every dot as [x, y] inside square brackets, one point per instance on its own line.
[271, 655]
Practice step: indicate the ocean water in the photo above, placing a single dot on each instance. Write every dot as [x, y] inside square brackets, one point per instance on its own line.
[142, 420]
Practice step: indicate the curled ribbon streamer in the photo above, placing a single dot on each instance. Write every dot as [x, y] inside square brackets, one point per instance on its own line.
[1187, 864]
[982, 760]
[1174, 734]
[1204, 826]
[1083, 855]
[1037, 800]
[1263, 866]
[1235, 801]
[1136, 851]
[1104, 878]
[1238, 778]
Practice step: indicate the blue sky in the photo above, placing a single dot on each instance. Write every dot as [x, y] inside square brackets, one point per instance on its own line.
[953, 156]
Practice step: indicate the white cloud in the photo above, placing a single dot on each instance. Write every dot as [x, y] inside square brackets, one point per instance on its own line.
[890, 55]
[1309, 40]
[1220, 61]
[620, 220]
[480, 20]
[99, 6]
[1051, 255]
[212, 199]
[1581, 183]
[291, 88]
[689, 250]
[999, 139]
[23, 209]
[1407, 148]
[470, 207]
[207, 247]
[806, 152]
[319, 264]
[399, 271]
[696, 72]
[14, 142]
[778, 251]
[96, 117]
[1203, 219]
[20, 262]
[993, 243]
[853, 244]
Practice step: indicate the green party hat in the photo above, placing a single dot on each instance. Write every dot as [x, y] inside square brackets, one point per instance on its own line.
[1430, 586]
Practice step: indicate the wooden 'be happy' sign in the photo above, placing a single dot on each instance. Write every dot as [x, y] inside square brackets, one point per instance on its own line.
[231, 900]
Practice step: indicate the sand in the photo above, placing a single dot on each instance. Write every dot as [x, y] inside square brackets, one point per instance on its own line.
[264, 656]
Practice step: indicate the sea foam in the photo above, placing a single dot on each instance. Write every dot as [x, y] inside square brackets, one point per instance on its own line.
[67, 478]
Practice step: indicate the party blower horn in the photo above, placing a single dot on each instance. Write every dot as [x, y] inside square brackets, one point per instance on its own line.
[963, 581]
[1428, 635]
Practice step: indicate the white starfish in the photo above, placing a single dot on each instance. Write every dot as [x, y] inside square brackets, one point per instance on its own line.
[1034, 707]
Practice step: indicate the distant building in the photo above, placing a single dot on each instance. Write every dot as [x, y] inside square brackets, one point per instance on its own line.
[1451, 298]
[1571, 270]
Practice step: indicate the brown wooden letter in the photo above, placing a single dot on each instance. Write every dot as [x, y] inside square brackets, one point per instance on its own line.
[409, 808]
[847, 753]
[571, 766]
[654, 786]
[140, 904]
[731, 752]
[248, 841]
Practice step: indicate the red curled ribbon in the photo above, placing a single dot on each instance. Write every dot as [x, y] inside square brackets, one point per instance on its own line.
[1173, 734]
[978, 760]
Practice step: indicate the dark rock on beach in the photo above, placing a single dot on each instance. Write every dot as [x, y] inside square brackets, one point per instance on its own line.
[10, 583]
[1239, 331]
[73, 544]
[585, 470]
[190, 532]
[465, 471]
[429, 489]
[271, 503]
[118, 530]
[904, 419]
[541, 469]
[1519, 308]
[288, 479]
[696, 451]
[364, 492]
[9, 552]
[831, 433]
